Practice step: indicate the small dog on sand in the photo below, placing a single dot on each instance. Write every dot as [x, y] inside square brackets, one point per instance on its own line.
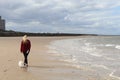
[21, 64]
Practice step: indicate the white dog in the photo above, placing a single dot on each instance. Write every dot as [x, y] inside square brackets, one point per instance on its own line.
[21, 64]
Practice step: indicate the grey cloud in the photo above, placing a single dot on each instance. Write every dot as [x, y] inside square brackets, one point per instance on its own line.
[60, 15]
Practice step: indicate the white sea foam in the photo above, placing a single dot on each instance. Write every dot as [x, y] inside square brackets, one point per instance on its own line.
[99, 45]
[95, 54]
[109, 45]
[117, 46]
[71, 59]
[109, 58]
[92, 51]
[83, 62]
[82, 67]
[101, 66]
[87, 44]
[112, 75]
[68, 60]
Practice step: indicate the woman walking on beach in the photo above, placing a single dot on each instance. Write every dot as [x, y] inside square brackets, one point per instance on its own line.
[25, 49]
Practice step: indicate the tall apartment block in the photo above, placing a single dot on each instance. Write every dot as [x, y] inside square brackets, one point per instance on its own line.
[2, 24]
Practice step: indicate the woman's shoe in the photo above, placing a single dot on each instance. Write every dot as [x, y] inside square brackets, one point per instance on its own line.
[26, 65]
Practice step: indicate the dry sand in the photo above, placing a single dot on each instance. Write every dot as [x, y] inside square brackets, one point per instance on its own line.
[42, 65]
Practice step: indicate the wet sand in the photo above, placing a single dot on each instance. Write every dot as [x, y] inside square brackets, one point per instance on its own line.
[42, 65]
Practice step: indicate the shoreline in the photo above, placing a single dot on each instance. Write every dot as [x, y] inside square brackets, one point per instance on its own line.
[48, 65]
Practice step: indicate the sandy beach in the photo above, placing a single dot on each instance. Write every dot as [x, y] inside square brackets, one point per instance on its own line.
[42, 65]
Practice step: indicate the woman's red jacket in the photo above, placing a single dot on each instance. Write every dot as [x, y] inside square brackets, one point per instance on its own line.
[25, 46]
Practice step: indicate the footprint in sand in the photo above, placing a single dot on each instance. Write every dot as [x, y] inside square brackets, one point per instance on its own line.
[9, 60]
[5, 70]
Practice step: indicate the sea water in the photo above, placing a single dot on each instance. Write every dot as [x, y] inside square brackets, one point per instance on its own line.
[100, 53]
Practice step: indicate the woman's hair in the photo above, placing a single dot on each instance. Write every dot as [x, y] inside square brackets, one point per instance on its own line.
[24, 38]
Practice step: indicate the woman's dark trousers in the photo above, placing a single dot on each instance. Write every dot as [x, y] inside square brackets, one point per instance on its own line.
[25, 58]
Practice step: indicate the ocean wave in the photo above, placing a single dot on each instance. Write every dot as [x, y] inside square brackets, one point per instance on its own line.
[87, 44]
[109, 45]
[95, 54]
[108, 58]
[112, 75]
[101, 66]
[92, 52]
[87, 68]
[52, 49]
[113, 45]
[117, 46]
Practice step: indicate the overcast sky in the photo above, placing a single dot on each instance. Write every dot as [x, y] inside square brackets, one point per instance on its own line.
[68, 16]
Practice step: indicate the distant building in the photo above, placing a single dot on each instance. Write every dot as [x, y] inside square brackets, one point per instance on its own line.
[2, 24]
